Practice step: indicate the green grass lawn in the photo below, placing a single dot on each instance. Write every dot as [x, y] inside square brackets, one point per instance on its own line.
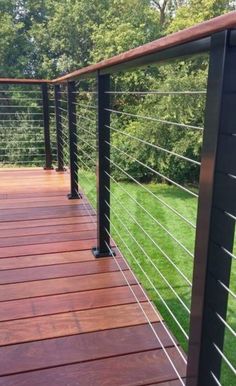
[163, 266]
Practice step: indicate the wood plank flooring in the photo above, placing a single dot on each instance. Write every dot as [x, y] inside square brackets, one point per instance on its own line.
[66, 318]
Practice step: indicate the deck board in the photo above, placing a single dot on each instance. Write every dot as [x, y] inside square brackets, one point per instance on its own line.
[67, 318]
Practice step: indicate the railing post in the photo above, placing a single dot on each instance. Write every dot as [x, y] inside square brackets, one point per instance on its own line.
[103, 169]
[215, 228]
[60, 159]
[71, 108]
[47, 143]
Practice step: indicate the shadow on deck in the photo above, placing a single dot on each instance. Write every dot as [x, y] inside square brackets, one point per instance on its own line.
[66, 317]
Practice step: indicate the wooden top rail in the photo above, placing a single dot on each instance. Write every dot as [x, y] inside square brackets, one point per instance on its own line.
[199, 31]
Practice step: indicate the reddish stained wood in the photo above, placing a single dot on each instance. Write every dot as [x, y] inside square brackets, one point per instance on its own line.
[60, 270]
[68, 284]
[131, 369]
[70, 323]
[79, 348]
[59, 303]
[38, 249]
[47, 259]
[19, 232]
[52, 222]
[41, 204]
[43, 213]
[47, 238]
[57, 297]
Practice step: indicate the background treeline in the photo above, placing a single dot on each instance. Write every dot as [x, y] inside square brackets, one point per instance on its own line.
[47, 38]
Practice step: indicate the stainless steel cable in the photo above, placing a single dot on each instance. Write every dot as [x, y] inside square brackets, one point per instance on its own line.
[86, 154]
[225, 359]
[227, 289]
[152, 306]
[160, 200]
[156, 92]
[152, 217]
[183, 125]
[146, 254]
[228, 253]
[87, 131]
[149, 280]
[215, 379]
[154, 171]
[226, 325]
[87, 143]
[146, 316]
[154, 146]
[86, 118]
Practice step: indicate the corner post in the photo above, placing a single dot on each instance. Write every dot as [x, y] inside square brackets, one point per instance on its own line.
[60, 159]
[47, 143]
[71, 108]
[215, 228]
[103, 168]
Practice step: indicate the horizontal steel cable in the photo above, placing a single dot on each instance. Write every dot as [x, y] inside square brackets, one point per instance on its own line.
[153, 307]
[225, 359]
[158, 198]
[151, 216]
[156, 92]
[87, 167]
[154, 146]
[230, 215]
[22, 99]
[21, 120]
[22, 91]
[146, 254]
[146, 316]
[226, 325]
[228, 253]
[155, 289]
[64, 110]
[152, 170]
[86, 118]
[87, 143]
[84, 106]
[215, 379]
[227, 289]
[162, 252]
[87, 131]
[19, 107]
[156, 120]
[86, 154]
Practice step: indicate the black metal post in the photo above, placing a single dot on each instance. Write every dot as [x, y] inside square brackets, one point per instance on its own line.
[215, 229]
[47, 143]
[60, 158]
[71, 108]
[103, 169]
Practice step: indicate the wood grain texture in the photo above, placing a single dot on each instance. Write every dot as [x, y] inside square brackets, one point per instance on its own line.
[131, 370]
[67, 318]
[70, 323]
[60, 270]
[62, 285]
[79, 348]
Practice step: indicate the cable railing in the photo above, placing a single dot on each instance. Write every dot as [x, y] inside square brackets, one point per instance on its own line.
[25, 139]
[155, 157]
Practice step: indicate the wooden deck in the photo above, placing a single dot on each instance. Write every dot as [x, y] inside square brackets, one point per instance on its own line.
[66, 318]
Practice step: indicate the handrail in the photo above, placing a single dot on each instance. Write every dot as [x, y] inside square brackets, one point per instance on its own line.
[198, 31]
